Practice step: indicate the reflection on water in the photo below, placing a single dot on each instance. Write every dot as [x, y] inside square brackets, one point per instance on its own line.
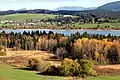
[66, 32]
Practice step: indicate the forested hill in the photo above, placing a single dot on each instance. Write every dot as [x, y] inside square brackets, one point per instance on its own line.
[110, 10]
[97, 12]
[113, 6]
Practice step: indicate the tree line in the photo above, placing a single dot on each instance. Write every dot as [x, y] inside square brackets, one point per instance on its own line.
[99, 48]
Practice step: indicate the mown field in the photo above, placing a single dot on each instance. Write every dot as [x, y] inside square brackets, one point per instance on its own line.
[26, 16]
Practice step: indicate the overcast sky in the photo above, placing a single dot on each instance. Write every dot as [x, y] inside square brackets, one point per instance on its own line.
[49, 4]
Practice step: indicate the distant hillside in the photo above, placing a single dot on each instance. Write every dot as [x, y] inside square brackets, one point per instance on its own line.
[34, 11]
[27, 16]
[74, 8]
[114, 6]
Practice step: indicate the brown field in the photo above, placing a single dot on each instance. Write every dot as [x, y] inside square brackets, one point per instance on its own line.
[19, 58]
[108, 70]
[31, 53]
[110, 66]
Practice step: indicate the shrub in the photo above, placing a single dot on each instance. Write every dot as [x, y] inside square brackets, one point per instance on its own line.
[3, 53]
[33, 63]
[82, 68]
[86, 67]
[43, 66]
[46, 68]
[53, 70]
[69, 67]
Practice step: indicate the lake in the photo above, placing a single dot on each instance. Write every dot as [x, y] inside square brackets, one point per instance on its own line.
[66, 32]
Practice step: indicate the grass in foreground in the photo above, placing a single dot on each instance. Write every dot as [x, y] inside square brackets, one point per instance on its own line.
[8, 73]
[105, 78]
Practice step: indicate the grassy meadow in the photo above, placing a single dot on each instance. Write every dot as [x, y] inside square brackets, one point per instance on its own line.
[102, 25]
[105, 78]
[9, 73]
[26, 16]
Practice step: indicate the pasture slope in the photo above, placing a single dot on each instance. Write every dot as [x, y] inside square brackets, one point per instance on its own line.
[17, 17]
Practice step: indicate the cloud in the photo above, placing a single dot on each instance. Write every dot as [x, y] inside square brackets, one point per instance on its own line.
[37, 0]
[56, 0]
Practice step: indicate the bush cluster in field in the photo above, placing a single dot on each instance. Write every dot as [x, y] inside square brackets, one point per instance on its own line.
[2, 53]
[68, 67]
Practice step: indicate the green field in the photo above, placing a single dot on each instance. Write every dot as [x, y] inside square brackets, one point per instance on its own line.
[105, 78]
[8, 73]
[102, 25]
[26, 16]
[21, 17]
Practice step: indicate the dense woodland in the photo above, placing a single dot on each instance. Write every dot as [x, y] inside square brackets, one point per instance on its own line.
[99, 48]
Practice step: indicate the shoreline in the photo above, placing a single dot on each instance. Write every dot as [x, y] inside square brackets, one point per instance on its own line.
[53, 29]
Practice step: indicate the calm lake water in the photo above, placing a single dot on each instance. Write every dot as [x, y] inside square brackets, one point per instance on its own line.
[66, 32]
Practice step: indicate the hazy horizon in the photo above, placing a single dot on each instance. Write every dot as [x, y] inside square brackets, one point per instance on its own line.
[49, 4]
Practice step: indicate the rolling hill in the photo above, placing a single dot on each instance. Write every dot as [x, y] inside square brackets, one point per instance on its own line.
[26, 16]
[113, 6]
